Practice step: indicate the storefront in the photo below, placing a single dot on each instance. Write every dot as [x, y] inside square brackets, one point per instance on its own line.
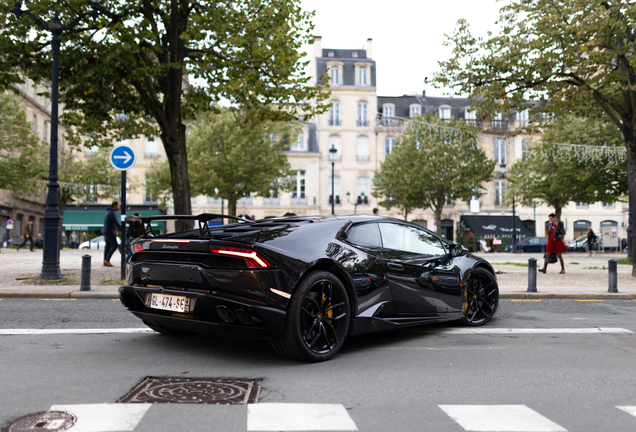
[88, 220]
[5, 215]
[580, 228]
[492, 227]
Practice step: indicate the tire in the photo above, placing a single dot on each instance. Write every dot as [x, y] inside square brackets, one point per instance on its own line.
[318, 319]
[482, 298]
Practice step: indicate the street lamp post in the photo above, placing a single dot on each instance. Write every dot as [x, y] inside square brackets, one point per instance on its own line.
[355, 203]
[502, 168]
[52, 217]
[332, 157]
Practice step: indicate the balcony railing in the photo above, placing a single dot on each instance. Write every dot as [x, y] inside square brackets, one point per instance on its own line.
[499, 124]
[151, 155]
[474, 122]
[271, 200]
[299, 201]
[334, 122]
[362, 122]
[362, 158]
[391, 122]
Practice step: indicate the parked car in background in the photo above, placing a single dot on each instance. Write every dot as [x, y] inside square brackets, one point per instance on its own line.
[580, 244]
[533, 244]
[98, 243]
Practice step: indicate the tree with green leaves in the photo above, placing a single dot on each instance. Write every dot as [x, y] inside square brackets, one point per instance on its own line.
[556, 174]
[230, 159]
[21, 161]
[145, 67]
[434, 163]
[553, 56]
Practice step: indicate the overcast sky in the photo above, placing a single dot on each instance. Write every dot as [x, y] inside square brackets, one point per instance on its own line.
[407, 35]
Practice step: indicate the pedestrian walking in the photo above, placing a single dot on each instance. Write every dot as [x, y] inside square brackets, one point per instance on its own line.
[111, 226]
[555, 243]
[135, 230]
[591, 238]
[28, 235]
[73, 240]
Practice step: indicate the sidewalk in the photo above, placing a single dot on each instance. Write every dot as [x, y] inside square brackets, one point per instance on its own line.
[585, 278]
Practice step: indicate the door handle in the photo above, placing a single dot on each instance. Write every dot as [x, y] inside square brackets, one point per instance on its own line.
[394, 266]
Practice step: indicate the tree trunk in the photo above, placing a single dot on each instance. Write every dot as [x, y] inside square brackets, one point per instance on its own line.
[405, 211]
[438, 217]
[558, 208]
[178, 162]
[231, 205]
[631, 181]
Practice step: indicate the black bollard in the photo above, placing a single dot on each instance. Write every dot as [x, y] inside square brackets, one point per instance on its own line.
[613, 276]
[532, 275]
[85, 284]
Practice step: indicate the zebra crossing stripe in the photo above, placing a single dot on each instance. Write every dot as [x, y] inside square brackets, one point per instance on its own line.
[500, 418]
[298, 417]
[106, 417]
[628, 409]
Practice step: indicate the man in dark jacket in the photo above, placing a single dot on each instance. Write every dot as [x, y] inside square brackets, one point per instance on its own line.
[111, 226]
[28, 235]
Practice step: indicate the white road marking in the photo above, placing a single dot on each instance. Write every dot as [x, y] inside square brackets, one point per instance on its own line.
[17, 332]
[104, 417]
[500, 418]
[298, 417]
[628, 409]
[495, 330]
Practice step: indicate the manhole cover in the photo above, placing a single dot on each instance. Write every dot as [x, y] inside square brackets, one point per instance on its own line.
[228, 391]
[49, 421]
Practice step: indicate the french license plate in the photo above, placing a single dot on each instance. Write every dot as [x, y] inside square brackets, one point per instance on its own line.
[170, 302]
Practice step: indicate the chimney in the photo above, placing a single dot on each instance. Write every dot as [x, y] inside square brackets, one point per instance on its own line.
[317, 46]
[369, 48]
[424, 90]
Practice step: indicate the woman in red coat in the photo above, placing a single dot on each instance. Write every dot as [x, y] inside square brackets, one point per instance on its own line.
[555, 243]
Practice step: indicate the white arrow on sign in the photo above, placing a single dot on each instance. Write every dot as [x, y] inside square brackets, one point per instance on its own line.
[127, 157]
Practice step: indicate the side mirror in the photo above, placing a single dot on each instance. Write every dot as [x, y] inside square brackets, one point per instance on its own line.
[457, 249]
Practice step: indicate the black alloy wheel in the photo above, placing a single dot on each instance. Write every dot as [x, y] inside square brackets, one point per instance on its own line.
[318, 318]
[482, 297]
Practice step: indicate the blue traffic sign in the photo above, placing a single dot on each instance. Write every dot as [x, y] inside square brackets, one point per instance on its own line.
[122, 157]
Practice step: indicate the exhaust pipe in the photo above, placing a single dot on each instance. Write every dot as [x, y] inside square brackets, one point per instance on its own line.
[244, 316]
[225, 313]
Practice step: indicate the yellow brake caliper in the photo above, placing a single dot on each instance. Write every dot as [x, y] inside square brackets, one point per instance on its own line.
[329, 312]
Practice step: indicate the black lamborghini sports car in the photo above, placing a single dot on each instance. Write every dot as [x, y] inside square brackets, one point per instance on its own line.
[304, 283]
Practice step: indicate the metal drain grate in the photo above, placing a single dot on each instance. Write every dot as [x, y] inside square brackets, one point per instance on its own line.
[222, 391]
[49, 421]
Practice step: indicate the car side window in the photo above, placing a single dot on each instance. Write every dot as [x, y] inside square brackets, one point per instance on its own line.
[365, 235]
[410, 239]
[533, 241]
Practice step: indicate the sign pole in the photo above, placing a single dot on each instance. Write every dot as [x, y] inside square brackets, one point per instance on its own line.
[123, 225]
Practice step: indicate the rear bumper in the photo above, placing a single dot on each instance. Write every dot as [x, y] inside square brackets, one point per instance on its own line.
[266, 322]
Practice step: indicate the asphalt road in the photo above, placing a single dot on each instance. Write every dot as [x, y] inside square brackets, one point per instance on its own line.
[411, 380]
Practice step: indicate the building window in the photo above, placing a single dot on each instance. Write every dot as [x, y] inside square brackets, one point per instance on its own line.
[212, 200]
[193, 200]
[299, 144]
[298, 194]
[363, 120]
[335, 75]
[148, 197]
[388, 110]
[151, 148]
[389, 144]
[470, 115]
[415, 110]
[330, 54]
[337, 190]
[608, 205]
[246, 200]
[500, 150]
[363, 191]
[334, 140]
[445, 112]
[45, 132]
[91, 151]
[354, 54]
[525, 149]
[522, 117]
[35, 124]
[362, 153]
[362, 76]
[334, 114]
[581, 205]
[500, 192]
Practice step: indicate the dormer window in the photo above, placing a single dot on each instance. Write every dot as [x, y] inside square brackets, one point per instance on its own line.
[354, 54]
[335, 76]
[330, 54]
[362, 77]
[335, 72]
[445, 112]
[470, 115]
[415, 110]
[388, 110]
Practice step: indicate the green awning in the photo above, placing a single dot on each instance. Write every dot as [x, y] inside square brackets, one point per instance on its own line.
[93, 220]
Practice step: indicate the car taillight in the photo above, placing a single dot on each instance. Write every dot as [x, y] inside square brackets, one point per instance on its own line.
[251, 257]
[137, 247]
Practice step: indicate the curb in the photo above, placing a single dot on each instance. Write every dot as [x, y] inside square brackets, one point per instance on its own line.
[608, 296]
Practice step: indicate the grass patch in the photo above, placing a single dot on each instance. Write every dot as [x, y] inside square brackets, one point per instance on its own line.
[115, 281]
[512, 263]
[624, 261]
[573, 263]
[67, 279]
[596, 268]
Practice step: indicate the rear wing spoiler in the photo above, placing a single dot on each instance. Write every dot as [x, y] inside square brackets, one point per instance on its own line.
[202, 219]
